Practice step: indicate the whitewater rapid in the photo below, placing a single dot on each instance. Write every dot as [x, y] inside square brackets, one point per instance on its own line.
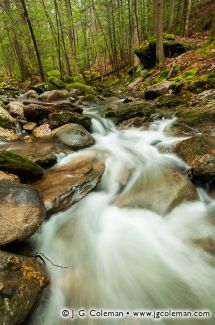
[129, 258]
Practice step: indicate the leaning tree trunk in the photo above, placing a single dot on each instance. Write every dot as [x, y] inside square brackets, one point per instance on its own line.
[158, 22]
[186, 17]
[42, 74]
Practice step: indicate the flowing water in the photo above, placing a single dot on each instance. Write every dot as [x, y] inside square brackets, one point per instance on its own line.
[129, 258]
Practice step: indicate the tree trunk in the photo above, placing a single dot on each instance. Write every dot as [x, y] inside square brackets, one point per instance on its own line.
[171, 16]
[212, 33]
[42, 74]
[186, 16]
[158, 21]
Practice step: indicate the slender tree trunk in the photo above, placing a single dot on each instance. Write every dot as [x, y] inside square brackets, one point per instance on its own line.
[171, 15]
[186, 16]
[158, 21]
[42, 74]
[212, 32]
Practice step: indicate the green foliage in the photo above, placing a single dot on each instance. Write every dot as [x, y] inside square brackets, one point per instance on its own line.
[68, 79]
[54, 73]
[83, 88]
[56, 82]
[79, 78]
[89, 98]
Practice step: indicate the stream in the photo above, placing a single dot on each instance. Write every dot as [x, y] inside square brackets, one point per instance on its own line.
[113, 255]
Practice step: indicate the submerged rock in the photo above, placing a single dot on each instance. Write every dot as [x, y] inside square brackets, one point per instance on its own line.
[162, 194]
[60, 118]
[23, 167]
[21, 211]
[70, 182]
[199, 153]
[73, 135]
[54, 95]
[22, 280]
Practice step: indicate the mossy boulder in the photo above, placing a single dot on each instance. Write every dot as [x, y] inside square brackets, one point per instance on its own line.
[58, 119]
[89, 98]
[83, 88]
[23, 167]
[198, 119]
[54, 73]
[199, 153]
[129, 110]
[68, 79]
[54, 95]
[146, 52]
[56, 82]
[42, 87]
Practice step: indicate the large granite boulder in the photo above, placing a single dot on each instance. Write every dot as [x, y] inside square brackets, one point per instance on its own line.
[58, 119]
[199, 153]
[162, 194]
[22, 280]
[70, 182]
[21, 211]
[73, 135]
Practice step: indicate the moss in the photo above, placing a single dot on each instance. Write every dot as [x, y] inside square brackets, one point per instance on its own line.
[207, 49]
[89, 98]
[2, 84]
[147, 50]
[54, 73]
[79, 78]
[23, 167]
[90, 74]
[42, 87]
[56, 82]
[83, 88]
[68, 79]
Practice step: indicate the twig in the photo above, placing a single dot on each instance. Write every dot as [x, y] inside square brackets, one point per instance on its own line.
[42, 257]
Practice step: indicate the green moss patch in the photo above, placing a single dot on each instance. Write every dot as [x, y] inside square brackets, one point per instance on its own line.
[23, 167]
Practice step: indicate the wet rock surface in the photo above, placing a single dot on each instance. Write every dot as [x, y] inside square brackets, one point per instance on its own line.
[73, 135]
[21, 213]
[60, 118]
[8, 135]
[68, 183]
[4, 176]
[6, 120]
[43, 153]
[54, 95]
[199, 153]
[161, 195]
[129, 110]
[22, 280]
[23, 167]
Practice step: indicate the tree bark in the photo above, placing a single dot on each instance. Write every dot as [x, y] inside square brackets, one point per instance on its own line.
[25, 11]
[171, 16]
[186, 16]
[158, 21]
[212, 32]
